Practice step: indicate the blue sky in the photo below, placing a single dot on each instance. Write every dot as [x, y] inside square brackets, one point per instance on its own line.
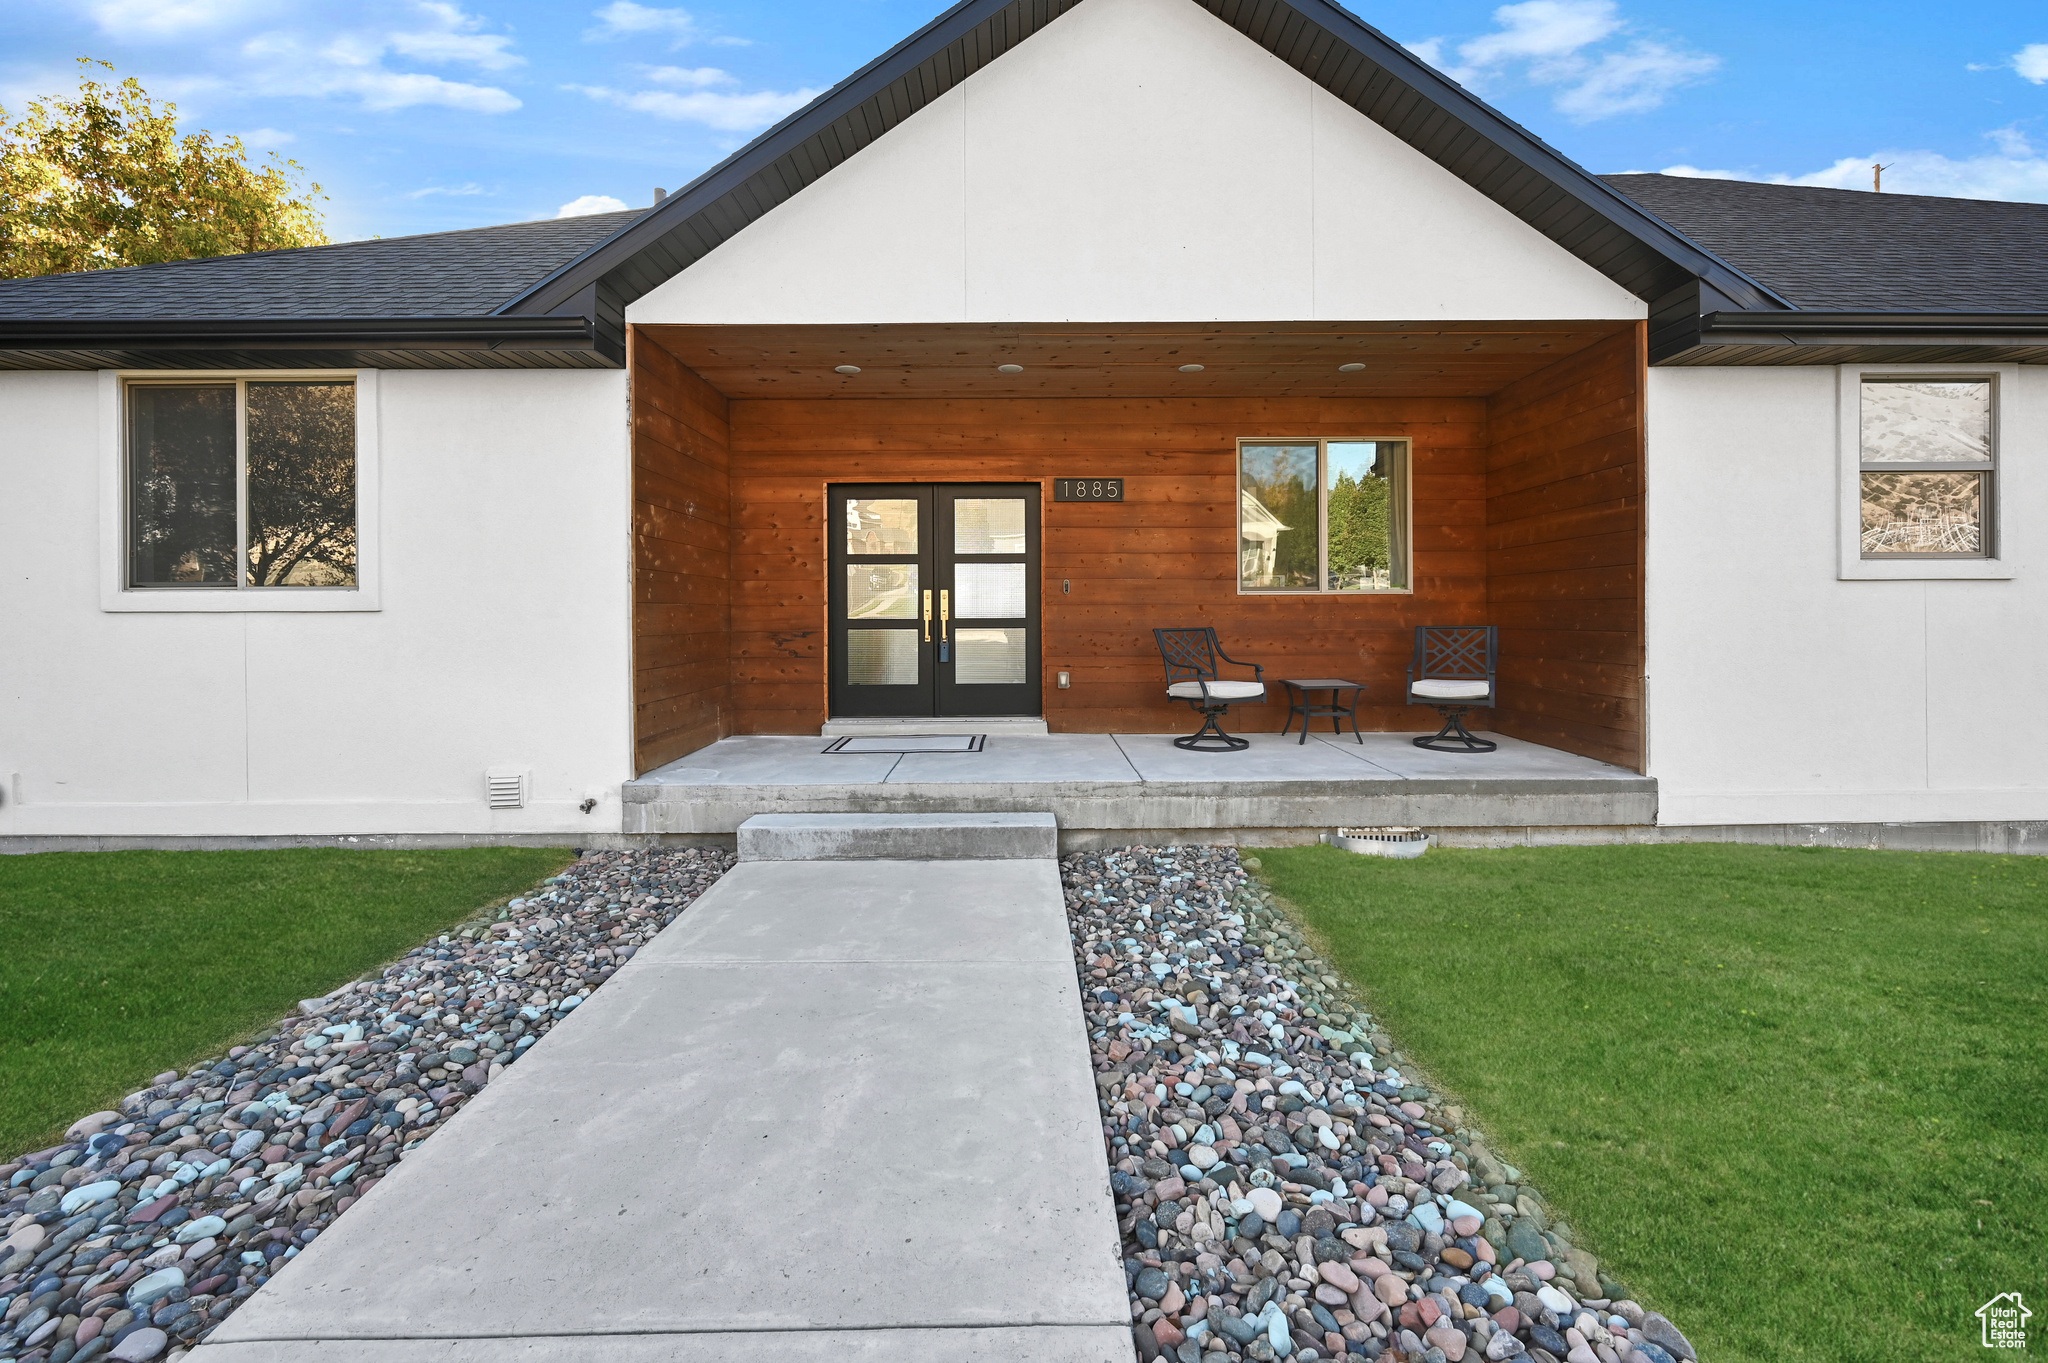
[422, 115]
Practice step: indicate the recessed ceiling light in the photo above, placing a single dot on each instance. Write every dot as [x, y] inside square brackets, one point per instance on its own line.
[1192, 368]
[1009, 369]
[1352, 368]
[846, 369]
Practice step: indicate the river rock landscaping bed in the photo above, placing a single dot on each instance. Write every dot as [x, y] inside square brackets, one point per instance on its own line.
[1283, 1187]
[149, 1225]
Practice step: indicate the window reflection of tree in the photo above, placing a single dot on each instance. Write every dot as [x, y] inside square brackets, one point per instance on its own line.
[182, 484]
[302, 485]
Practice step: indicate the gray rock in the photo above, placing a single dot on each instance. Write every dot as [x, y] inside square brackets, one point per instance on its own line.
[1526, 1242]
[140, 1346]
[1660, 1331]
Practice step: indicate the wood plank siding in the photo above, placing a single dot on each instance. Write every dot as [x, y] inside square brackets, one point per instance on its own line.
[682, 559]
[1527, 514]
[1564, 551]
[1166, 556]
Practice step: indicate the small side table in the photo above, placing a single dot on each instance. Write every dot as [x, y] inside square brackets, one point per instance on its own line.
[1300, 698]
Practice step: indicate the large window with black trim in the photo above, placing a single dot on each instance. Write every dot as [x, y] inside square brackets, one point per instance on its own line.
[1323, 516]
[244, 484]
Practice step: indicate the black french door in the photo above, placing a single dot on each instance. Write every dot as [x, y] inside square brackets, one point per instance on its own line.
[934, 599]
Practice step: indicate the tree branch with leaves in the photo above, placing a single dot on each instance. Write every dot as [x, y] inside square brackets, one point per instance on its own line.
[105, 180]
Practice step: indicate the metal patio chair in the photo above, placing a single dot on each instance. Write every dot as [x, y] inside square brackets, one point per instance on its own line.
[1191, 656]
[1453, 672]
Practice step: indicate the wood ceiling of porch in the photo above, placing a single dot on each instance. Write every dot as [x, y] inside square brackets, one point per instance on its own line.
[1239, 359]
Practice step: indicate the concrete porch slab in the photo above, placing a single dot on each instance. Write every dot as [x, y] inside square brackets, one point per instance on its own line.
[824, 1091]
[775, 760]
[1019, 760]
[1271, 757]
[1515, 760]
[1098, 785]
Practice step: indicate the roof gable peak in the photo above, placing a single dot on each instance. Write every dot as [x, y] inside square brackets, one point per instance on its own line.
[1323, 41]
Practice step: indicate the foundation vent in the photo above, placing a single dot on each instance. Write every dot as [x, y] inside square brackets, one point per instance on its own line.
[506, 788]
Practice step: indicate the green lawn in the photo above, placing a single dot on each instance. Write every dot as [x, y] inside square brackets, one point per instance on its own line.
[115, 966]
[1795, 1098]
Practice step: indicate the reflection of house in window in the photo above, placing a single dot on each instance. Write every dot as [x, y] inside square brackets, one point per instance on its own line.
[1258, 539]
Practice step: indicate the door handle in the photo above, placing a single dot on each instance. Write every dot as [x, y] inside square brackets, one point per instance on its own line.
[927, 617]
[945, 612]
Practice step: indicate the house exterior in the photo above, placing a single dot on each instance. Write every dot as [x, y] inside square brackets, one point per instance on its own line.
[450, 536]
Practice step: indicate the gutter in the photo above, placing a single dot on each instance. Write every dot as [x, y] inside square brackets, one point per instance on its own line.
[1836, 328]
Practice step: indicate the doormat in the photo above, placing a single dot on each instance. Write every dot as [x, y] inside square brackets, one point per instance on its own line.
[908, 743]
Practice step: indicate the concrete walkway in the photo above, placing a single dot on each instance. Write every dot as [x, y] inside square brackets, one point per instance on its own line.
[839, 1110]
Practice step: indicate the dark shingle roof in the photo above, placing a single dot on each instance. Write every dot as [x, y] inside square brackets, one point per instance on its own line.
[442, 274]
[1844, 250]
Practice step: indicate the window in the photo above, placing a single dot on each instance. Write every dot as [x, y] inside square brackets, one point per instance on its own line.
[1925, 463]
[1322, 516]
[1921, 472]
[241, 484]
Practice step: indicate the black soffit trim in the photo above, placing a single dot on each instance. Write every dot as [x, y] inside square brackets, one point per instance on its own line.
[298, 333]
[1322, 40]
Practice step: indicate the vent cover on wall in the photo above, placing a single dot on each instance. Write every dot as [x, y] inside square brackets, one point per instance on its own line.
[506, 788]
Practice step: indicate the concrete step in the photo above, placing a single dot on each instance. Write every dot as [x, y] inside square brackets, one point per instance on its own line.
[987, 724]
[898, 837]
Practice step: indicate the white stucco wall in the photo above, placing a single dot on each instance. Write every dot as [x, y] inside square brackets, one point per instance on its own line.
[1137, 160]
[502, 638]
[1779, 693]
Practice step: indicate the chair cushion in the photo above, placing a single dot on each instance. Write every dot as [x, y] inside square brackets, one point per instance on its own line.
[1218, 690]
[1450, 688]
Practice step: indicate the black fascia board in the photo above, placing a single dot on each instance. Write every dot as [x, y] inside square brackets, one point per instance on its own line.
[297, 333]
[705, 194]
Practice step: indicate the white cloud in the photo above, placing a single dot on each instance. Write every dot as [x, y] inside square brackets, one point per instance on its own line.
[132, 19]
[2031, 62]
[589, 203]
[452, 191]
[696, 79]
[624, 19]
[352, 64]
[1632, 81]
[453, 36]
[2012, 170]
[1557, 43]
[1542, 30]
[726, 112]
[267, 137]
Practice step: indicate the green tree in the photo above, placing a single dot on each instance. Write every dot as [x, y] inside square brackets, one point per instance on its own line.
[1358, 524]
[104, 180]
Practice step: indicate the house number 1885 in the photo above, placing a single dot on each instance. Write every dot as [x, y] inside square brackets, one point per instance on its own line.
[1087, 489]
